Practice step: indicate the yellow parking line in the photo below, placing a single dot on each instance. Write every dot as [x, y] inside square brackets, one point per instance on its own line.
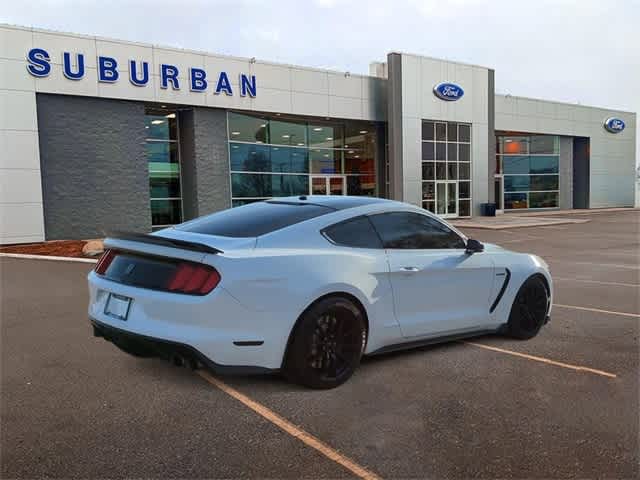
[290, 428]
[597, 310]
[544, 360]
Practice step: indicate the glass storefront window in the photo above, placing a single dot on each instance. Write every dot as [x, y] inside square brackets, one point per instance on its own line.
[357, 162]
[246, 157]
[246, 128]
[515, 200]
[544, 164]
[544, 182]
[530, 167]
[277, 145]
[516, 183]
[428, 190]
[250, 157]
[161, 126]
[267, 185]
[464, 133]
[361, 185]
[288, 133]
[325, 136]
[428, 171]
[289, 159]
[512, 165]
[464, 172]
[540, 144]
[165, 212]
[428, 151]
[543, 199]
[163, 160]
[446, 159]
[325, 161]
[428, 131]
[513, 145]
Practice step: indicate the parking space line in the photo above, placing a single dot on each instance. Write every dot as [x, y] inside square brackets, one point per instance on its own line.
[599, 282]
[597, 310]
[290, 428]
[612, 265]
[543, 360]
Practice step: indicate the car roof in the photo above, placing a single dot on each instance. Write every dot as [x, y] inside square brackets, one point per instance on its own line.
[336, 202]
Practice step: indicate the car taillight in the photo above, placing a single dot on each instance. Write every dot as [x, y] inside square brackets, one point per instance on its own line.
[193, 278]
[105, 261]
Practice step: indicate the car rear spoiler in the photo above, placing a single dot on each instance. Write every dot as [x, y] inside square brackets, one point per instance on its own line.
[164, 242]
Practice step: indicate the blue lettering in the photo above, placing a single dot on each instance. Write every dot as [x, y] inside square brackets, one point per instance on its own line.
[39, 65]
[67, 67]
[169, 73]
[198, 82]
[247, 85]
[107, 69]
[224, 84]
[133, 73]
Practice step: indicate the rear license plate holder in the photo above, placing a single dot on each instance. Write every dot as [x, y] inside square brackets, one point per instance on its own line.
[117, 306]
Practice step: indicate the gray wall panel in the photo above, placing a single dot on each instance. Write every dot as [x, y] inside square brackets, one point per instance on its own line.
[491, 111]
[211, 160]
[566, 172]
[94, 169]
[394, 115]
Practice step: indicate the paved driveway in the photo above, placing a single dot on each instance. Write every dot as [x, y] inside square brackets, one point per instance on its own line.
[564, 404]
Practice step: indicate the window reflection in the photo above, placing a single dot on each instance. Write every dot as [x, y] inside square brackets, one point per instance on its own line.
[272, 145]
[530, 165]
[162, 153]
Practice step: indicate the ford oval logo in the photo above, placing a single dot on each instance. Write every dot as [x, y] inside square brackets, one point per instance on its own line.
[614, 125]
[448, 91]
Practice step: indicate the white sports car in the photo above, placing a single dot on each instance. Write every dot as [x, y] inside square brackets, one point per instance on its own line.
[308, 285]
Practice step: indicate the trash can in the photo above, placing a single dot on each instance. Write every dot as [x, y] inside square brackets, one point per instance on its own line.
[488, 209]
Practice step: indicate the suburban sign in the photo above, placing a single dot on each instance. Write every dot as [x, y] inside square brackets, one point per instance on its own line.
[108, 71]
[448, 91]
[614, 125]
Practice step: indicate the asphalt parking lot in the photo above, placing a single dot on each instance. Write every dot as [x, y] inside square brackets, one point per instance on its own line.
[563, 405]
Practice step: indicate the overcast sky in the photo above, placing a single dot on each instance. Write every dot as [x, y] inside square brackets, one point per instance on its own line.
[585, 51]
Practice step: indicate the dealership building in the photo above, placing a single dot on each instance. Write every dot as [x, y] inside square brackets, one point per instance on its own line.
[98, 135]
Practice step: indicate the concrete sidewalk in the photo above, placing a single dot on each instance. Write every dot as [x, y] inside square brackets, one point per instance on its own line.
[533, 219]
[503, 222]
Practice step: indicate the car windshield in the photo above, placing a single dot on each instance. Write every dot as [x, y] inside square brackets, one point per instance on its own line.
[255, 219]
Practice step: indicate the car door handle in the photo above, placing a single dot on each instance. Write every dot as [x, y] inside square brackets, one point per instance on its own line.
[409, 269]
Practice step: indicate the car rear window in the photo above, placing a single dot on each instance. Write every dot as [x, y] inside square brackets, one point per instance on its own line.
[255, 219]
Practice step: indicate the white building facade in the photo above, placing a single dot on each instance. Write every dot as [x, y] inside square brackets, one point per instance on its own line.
[99, 135]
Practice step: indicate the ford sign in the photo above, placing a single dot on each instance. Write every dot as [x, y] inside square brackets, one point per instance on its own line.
[614, 125]
[448, 91]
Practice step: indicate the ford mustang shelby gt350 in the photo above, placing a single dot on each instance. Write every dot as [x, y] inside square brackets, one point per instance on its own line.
[308, 285]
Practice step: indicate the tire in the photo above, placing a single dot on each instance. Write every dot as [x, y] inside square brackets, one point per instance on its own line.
[327, 344]
[529, 309]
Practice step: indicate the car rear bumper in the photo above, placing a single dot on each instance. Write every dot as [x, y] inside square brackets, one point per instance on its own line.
[175, 352]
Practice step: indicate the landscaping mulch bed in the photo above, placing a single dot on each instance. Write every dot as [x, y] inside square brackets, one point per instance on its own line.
[57, 248]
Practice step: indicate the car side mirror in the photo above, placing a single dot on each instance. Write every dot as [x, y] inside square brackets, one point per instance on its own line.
[474, 246]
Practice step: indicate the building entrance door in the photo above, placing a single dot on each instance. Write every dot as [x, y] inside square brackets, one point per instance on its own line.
[328, 185]
[447, 199]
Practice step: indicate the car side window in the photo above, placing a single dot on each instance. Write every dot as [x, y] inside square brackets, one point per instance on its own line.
[407, 230]
[355, 232]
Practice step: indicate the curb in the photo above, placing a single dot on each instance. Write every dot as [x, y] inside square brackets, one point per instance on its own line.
[48, 257]
[485, 226]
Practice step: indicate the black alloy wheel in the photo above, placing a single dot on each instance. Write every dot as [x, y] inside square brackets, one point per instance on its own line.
[327, 344]
[529, 309]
